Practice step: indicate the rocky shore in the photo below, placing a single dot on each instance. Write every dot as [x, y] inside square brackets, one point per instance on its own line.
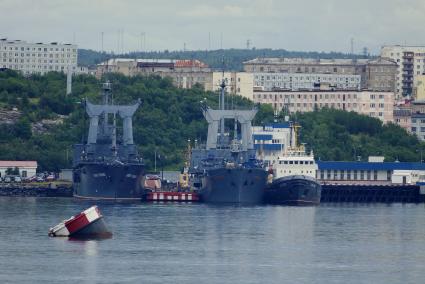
[48, 190]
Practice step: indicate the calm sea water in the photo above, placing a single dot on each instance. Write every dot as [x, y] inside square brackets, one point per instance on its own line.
[198, 243]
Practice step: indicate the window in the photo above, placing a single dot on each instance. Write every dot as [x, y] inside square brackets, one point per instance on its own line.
[322, 174]
[355, 174]
[335, 174]
[361, 175]
[368, 175]
[388, 175]
[348, 175]
[329, 174]
[375, 175]
[341, 175]
[413, 129]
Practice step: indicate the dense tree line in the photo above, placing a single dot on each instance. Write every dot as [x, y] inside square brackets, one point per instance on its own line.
[340, 135]
[233, 58]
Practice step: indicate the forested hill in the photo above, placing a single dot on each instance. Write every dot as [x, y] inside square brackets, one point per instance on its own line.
[346, 136]
[38, 122]
[233, 58]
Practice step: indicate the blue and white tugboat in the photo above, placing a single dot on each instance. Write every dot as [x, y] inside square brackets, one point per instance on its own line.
[226, 170]
[107, 166]
[294, 178]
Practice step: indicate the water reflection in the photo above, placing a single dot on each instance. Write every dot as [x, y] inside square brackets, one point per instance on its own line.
[193, 243]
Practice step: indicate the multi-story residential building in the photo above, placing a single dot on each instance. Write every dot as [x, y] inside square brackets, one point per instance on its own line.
[411, 63]
[239, 83]
[376, 74]
[301, 81]
[419, 88]
[184, 73]
[374, 104]
[403, 117]
[37, 58]
[418, 125]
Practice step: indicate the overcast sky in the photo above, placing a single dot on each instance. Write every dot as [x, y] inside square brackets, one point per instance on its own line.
[307, 25]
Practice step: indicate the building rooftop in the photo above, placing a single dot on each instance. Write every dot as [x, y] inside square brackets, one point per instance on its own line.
[5, 40]
[12, 164]
[384, 166]
[315, 61]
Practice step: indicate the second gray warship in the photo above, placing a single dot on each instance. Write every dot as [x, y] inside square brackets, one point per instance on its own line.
[226, 170]
[107, 167]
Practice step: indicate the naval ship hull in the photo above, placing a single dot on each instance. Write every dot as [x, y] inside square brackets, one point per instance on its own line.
[293, 190]
[234, 185]
[101, 181]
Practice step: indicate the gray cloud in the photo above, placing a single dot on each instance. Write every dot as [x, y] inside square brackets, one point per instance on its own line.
[326, 25]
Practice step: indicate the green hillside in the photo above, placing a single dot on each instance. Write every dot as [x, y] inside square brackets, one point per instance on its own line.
[340, 135]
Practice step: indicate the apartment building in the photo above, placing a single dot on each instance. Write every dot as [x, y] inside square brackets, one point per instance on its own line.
[372, 103]
[301, 81]
[403, 117]
[410, 63]
[375, 74]
[184, 73]
[39, 58]
[418, 125]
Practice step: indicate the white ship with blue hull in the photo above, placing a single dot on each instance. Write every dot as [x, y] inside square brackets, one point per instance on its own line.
[294, 176]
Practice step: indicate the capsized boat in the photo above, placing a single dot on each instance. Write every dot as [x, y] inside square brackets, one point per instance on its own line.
[88, 223]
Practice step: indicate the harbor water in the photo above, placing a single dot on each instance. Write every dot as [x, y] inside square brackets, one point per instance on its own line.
[200, 243]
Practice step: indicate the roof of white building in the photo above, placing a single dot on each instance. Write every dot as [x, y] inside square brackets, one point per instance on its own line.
[19, 164]
[282, 60]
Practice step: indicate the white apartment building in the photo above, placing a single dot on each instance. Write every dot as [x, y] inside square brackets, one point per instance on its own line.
[411, 63]
[374, 104]
[305, 81]
[30, 58]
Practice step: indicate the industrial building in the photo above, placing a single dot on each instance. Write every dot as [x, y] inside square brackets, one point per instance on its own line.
[371, 172]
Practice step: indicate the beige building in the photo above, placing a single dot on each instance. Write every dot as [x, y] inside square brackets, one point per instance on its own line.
[403, 117]
[374, 104]
[184, 73]
[411, 63]
[238, 83]
[419, 88]
[376, 74]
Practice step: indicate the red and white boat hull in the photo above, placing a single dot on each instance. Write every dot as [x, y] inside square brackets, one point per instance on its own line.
[77, 224]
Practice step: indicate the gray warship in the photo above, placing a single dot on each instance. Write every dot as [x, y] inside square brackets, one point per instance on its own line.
[108, 167]
[226, 170]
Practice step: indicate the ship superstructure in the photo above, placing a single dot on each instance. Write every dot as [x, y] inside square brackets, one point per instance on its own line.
[226, 170]
[108, 166]
[294, 176]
